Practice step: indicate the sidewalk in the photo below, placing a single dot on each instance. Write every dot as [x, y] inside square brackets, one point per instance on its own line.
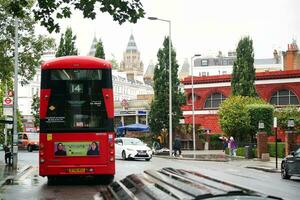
[6, 171]
[220, 156]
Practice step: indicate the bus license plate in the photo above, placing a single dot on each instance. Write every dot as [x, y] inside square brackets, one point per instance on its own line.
[77, 170]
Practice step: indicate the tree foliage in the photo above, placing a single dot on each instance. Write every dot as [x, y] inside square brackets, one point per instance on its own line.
[99, 50]
[159, 113]
[35, 109]
[234, 117]
[31, 46]
[263, 113]
[114, 62]
[243, 75]
[48, 11]
[284, 114]
[67, 44]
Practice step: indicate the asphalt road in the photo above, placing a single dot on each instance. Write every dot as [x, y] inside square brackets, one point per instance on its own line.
[32, 186]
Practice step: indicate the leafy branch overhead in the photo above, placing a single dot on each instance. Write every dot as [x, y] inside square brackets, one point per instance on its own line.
[48, 11]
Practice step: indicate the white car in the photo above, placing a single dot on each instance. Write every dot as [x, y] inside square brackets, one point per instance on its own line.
[134, 148]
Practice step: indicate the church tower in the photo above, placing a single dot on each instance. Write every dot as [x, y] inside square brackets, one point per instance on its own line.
[132, 64]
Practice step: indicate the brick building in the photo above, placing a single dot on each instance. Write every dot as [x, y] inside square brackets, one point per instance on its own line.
[276, 87]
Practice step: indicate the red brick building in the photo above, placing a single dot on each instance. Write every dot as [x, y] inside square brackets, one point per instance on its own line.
[277, 87]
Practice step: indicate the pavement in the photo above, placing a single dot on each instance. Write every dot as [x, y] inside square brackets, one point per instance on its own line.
[220, 156]
[7, 173]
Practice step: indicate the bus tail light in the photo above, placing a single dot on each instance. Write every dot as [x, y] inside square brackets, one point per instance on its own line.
[42, 160]
[111, 158]
[41, 146]
[42, 153]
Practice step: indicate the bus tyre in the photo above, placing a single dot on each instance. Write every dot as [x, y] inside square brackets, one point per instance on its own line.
[29, 148]
[124, 155]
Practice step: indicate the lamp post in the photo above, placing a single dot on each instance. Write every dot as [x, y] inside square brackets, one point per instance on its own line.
[170, 83]
[15, 106]
[193, 101]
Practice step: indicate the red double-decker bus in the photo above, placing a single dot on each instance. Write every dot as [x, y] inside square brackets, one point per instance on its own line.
[76, 118]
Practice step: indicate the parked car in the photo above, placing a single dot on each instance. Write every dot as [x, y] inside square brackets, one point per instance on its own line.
[29, 141]
[133, 148]
[290, 165]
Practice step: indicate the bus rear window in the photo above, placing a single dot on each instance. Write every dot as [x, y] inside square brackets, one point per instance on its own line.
[76, 74]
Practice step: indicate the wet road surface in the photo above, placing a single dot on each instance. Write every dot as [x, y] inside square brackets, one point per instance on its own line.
[32, 186]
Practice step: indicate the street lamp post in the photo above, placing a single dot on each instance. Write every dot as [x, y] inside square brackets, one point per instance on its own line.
[170, 83]
[193, 101]
[15, 106]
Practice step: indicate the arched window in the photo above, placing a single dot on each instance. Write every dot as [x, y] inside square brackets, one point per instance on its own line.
[284, 97]
[214, 100]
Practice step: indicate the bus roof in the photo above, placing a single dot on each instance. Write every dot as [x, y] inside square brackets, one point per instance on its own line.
[76, 62]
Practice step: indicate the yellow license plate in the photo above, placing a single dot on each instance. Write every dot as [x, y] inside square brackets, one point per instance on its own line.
[77, 170]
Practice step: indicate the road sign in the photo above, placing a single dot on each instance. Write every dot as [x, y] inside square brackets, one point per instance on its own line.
[7, 101]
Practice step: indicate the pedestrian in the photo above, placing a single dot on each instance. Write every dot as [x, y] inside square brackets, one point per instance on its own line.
[177, 146]
[233, 146]
[225, 143]
[229, 147]
[7, 155]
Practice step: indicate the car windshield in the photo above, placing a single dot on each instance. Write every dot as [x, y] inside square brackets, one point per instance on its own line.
[133, 141]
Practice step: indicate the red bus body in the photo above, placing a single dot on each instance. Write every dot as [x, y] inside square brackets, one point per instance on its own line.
[76, 110]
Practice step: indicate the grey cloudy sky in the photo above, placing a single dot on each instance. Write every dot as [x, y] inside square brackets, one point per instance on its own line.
[198, 26]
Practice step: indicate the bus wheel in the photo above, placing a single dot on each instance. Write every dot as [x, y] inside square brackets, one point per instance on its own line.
[124, 155]
[29, 148]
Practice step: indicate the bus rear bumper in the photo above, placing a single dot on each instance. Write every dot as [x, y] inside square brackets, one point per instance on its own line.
[82, 170]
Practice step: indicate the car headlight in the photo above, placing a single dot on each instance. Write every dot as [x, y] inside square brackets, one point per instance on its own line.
[128, 149]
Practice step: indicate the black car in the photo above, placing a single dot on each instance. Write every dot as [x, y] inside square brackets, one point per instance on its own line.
[290, 165]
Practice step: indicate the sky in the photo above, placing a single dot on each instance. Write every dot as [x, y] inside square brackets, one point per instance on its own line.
[197, 27]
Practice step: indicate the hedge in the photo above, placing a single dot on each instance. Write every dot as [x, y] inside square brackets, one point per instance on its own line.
[280, 149]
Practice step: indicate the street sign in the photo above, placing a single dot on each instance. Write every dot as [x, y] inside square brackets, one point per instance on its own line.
[8, 111]
[7, 101]
[275, 122]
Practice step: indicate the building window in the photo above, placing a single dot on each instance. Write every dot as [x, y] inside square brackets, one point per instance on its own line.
[284, 97]
[214, 100]
[204, 62]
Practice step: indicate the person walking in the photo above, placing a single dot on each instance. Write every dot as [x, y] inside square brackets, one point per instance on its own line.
[177, 146]
[233, 146]
[7, 155]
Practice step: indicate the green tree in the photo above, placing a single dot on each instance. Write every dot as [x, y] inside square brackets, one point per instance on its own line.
[31, 46]
[67, 44]
[35, 109]
[159, 113]
[285, 113]
[99, 50]
[234, 117]
[47, 11]
[243, 75]
[114, 62]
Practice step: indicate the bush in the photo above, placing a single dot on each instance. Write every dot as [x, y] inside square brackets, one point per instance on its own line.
[280, 149]
[241, 152]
